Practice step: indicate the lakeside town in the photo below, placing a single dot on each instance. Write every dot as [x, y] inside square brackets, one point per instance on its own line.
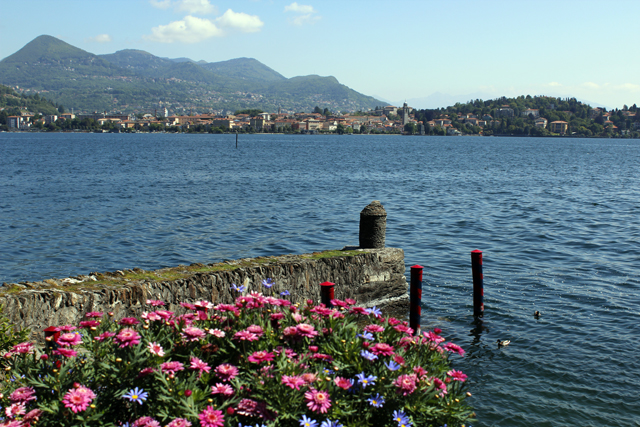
[483, 118]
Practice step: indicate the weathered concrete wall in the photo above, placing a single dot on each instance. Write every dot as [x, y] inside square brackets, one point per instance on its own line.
[370, 276]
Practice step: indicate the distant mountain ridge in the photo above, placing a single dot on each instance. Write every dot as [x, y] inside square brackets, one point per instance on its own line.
[130, 80]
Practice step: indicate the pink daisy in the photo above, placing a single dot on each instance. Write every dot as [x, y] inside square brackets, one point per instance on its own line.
[217, 333]
[127, 338]
[89, 324]
[155, 302]
[223, 389]
[66, 352]
[318, 401]
[255, 329]
[433, 337]
[23, 394]
[33, 415]
[406, 384]
[92, 314]
[441, 385]
[192, 334]
[293, 381]
[343, 383]
[381, 349]
[164, 314]
[15, 409]
[211, 418]
[155, 348]
[179, 422]
[23, 348]
[203, 305]
[245, 336]
[69, 339]
[171, 367]
[309, 378]
[454, 348]
[129, 321]
[103, 336]
[78, 399]
[145, 422]
[374, 328]
[67, 328]
[403, 329]
[226, 372]
[197, 364]
[261, 356]
[306, 330]
[457, 375]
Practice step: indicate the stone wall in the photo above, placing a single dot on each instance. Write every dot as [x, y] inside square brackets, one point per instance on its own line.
[370, 276]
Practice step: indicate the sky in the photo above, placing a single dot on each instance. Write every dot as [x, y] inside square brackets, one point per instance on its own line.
[429, 53]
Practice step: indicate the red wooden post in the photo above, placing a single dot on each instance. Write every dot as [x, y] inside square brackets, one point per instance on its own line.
[478, 285]
[415, 295]
[327, 293]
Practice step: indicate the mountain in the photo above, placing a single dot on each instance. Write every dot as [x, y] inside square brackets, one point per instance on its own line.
[134, 80]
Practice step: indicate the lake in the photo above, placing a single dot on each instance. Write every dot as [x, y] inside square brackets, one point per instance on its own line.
[557, 221]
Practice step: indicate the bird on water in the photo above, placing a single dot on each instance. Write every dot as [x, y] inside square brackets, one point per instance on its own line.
[503, 343]
[536, 314]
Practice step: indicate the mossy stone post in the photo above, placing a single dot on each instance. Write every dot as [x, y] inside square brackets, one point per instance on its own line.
[373, 226]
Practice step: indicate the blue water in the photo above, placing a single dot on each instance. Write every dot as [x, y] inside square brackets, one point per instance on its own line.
[556, 219]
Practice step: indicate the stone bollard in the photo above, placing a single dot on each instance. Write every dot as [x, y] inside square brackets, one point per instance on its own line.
[373, 226]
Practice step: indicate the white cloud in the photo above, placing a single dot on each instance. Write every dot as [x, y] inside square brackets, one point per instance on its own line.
[554, 84]
[188, 30]
[160, 4]
[299, 8]
[631, 87]
[306, 13]
[198, 7]
[240, 21]
[591, 85]
[101, 38]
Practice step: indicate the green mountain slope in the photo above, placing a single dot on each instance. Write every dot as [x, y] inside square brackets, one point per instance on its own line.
[134, 80]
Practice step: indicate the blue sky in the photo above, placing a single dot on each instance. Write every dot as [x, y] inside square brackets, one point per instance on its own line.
[423, 51]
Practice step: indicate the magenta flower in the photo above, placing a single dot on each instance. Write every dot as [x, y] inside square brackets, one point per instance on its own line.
[164, 314]
[211, 418]
[155, 302]
[406, 384]
[171, 367]
[440, 385]
[200, 305]
[105, 335]
[255, 329]
[454, 348]
[433, 337]
[197, 364]
[403, 329]
[309, 377]
[374, 328]
[261, 356]
[179, 422]
[343, 383]
[223, 389]
[32, 416]
[245, 336]
[155, 348]
[69, 339]
[15, 409]
[127, 338]
[145, 422]
[23, 348]
[217, 333]
[192, 334]
[318, 401]
[226, 372]
[23, 394]
[306, 330]
[382, 349]
[129, 321]
[93, 314]
[89, 324]
[66, 352]
[78, 399]
[295, 382]
[67, 328]
[457, 375]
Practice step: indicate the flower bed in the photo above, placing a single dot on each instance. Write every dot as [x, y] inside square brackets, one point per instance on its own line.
[261, 361]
